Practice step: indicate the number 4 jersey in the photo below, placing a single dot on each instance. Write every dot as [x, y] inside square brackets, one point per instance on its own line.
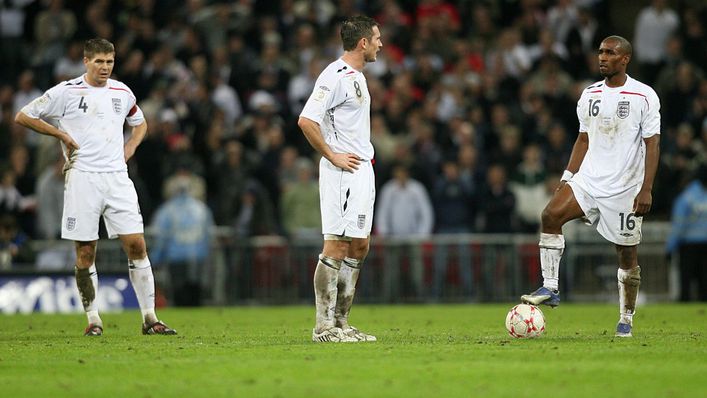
[617, 120]
[93, 117]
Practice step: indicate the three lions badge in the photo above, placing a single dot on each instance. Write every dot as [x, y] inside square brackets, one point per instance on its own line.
[623, 109]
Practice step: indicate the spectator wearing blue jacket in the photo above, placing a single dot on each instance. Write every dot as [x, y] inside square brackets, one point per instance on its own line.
[688, 237]
[182, 227]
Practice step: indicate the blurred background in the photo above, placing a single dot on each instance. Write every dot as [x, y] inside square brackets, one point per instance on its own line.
[473, 121]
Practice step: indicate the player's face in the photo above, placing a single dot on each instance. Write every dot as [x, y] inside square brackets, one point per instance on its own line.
[612, 58]
[372, 46]
[99, 68]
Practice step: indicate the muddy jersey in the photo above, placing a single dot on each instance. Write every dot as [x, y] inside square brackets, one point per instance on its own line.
[617, 119]
[93, 117]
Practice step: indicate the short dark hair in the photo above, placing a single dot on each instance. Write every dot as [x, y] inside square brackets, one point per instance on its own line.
[97, 46]
[356, 28]
[625, 45]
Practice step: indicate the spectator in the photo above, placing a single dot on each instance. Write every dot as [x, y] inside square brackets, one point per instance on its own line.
[50, 200]
[654, 25]
[688, 237]
[300, 203]
[455, 213]
[14, 247]
[70, 64]
[182, 242]
[257, 215]
[528, 186]
[403, 211]
[498, 202]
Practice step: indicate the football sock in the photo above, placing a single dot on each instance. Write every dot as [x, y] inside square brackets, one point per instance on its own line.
[144, 285]
[326, 277]
[551, 248]
[348, 275]
[629, 282]
[87, 283]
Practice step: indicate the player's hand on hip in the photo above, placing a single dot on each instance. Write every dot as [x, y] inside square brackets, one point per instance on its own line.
[70, 144]
[346, 161]
[643, 202]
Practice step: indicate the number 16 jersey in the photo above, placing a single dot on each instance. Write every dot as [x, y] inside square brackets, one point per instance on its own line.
[617, 119]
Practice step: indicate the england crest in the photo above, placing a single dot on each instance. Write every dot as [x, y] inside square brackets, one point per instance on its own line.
[361, 221]
[623, 109]
[70, 223]
[117, 106]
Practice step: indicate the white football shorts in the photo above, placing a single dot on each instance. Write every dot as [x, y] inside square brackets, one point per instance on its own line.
[612, 216]
[346, 199]
[88, 196]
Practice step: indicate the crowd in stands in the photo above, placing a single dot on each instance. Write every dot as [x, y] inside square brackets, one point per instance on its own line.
[473, 104]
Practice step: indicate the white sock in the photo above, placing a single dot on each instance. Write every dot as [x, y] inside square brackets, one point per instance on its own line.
[144, 285]
[346, 286]
[629, 282]
[551, 248]
[89, 304]
[326, 277]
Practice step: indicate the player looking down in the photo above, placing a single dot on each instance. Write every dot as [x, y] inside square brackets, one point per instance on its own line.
[87, 115]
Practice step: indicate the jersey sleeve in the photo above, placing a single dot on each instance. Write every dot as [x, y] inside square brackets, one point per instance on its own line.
[326, 95]
[135, 117]
[583, 114]
[48, 106]
[650, 119]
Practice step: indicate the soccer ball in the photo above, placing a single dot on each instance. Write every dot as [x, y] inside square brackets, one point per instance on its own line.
[525, 321]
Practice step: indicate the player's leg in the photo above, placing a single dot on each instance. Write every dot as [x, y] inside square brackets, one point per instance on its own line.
[123, 220]
[143, 281]
[80, 218]
[87, 284]
[562, 208]
[348, 276]
[629, 278]
[326, 278]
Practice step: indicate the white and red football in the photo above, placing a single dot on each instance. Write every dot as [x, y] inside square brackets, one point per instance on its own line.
[525, 321]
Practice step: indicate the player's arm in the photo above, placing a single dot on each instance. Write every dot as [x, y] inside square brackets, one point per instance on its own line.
[311, 131]
[138, 134]
[45, 128]
[579, 150]
[644, 200]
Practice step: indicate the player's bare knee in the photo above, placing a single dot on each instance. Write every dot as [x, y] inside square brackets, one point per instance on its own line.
[628, 257]
[336, 249]
[358, 250]
[85, 254]
[136, 249]
[551, 218]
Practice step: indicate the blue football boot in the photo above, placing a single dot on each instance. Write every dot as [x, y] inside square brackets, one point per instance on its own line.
[542, 296]
[623, 330]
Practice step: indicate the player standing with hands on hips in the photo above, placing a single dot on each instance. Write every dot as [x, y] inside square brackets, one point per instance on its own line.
[609, 177]
[336, 120]
[87, 115]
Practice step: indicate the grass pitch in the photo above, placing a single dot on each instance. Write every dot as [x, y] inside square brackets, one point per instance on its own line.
[423, 351]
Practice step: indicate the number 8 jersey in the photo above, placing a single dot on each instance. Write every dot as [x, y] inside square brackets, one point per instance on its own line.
[341, 104]
[617, 120]
[93, 117]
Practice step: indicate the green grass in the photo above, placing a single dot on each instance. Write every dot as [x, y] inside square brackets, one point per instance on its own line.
[423, 351]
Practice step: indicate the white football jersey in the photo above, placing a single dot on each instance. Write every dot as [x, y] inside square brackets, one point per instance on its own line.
[93, 117]
[617, 120]
[341, 104]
